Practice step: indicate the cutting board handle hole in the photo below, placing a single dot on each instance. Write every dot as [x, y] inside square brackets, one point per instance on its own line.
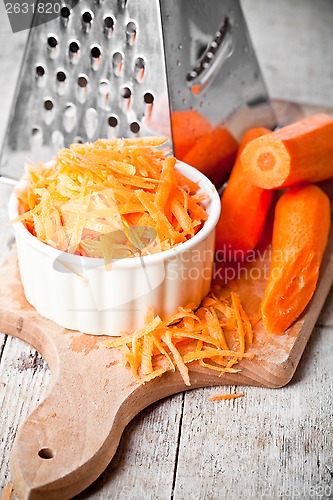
[46, 453]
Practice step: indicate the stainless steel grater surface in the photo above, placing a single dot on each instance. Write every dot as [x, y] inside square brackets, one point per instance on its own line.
[122, 68]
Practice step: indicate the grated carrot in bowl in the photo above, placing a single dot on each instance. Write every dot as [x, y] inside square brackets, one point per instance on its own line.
[111, 199]
[206, 335]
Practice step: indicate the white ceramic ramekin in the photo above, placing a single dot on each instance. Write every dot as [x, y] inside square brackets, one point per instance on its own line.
[78, 293]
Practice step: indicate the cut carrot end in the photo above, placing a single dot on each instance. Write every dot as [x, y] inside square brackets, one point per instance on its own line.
[266, 161]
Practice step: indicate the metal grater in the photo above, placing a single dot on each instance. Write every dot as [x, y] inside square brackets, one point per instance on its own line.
[121, 68]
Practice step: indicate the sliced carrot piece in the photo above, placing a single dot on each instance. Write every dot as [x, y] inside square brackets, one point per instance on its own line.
[300, 234]
[297, 154]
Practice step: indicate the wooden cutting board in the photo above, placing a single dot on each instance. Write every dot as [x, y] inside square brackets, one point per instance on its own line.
[71, 437]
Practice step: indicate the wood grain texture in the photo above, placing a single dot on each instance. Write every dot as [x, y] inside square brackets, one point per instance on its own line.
[253, 446]
[22, 371]
[58, 451]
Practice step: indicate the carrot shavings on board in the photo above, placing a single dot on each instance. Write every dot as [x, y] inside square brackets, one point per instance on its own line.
[190, 335]
[91, 194]
[7, 492]
[221, 397]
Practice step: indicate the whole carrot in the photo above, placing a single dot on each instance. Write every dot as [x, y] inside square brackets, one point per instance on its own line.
[214, 154]
[297, 154]
[244, 209]
[187, 127]
[300, 234]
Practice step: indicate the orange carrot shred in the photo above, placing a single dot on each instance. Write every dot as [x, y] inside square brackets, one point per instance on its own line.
[191, 335]
[221, 397]
[177, 357]
[236, 305]
[92, 190]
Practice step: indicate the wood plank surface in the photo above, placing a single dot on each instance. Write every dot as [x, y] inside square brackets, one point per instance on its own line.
[24, 381]
[109, 397]
[273, 443]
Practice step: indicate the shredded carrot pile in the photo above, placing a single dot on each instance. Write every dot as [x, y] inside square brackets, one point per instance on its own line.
[222, 397]
[215, 335]
[119, 194]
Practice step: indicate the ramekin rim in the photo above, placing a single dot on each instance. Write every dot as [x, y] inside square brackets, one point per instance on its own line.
[131, 262]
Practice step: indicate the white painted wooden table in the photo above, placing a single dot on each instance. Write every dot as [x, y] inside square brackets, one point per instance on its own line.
[271, 444]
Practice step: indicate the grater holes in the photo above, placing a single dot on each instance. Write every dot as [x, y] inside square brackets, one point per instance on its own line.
[74, 47]
[91, 122]
[135, 127]
[126, 92]
[40, 75]
[48, 114]
[40, 71]
[35, 131]
[117, 63]
[52, 41]
[48, 105]
[206, 58]
[61, 76]
[65, 12]
[104, 92]
[113, 121]
[87, 18]
[112, 129]
[131, 32]
[109, 24]
[104, 87]
[64, 15]
[74, 51]
[139, 69]
[82, 81]
[95, 57]
[148, 98]
[82, 87]
[36, 138]
[61, 82]
[69, 117]
[95, 52]
[149, 101]
[52, 46]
